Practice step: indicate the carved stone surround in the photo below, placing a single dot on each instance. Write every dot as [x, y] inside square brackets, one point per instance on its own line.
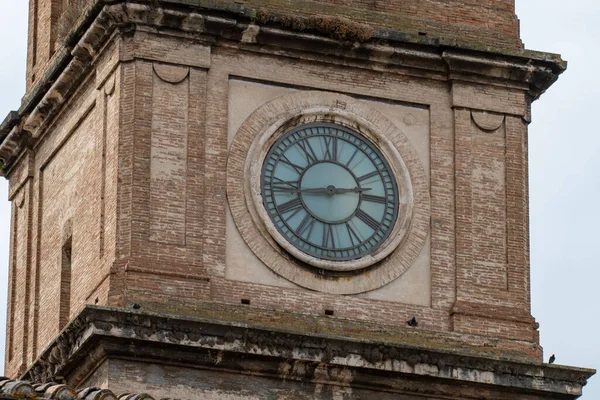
[251, 143]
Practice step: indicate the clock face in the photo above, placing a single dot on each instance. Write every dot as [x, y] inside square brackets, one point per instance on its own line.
[329, 192]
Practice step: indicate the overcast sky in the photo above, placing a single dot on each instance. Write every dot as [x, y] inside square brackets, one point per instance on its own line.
[564, 174]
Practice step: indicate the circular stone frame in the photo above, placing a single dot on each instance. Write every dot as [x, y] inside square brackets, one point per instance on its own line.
[398, 172]
[246, 156]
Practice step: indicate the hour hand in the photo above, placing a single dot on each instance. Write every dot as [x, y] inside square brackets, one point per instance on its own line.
[330, 190]
[314, 191]
[311, 190]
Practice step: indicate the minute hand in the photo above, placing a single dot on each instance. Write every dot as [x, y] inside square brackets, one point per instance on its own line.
[326, 190]
[354, 190]
[329, 190]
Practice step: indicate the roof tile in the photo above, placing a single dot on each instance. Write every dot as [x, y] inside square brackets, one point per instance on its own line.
[16, 389]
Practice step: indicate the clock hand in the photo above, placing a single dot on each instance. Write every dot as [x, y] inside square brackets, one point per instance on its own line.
[308, 190]
[355, 190]
[313, 191]
[330, 190]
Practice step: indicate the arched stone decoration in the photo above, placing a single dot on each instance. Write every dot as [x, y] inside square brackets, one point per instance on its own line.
[487, 121]
[171, 73]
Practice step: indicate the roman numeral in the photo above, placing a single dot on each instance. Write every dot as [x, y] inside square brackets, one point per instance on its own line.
[296, 167]
[367, 219]
[330, 148]
[307, 224]
[374, 199]
[308, 151]
[353, 235]
[352, 158]
[292, 215]
[280, 185]
[289, 206]
[367, 176]
[328, 237]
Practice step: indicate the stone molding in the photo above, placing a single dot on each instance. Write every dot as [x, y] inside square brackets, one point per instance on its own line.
[496, 312]
[248, 150]
[533, 71]
[99, 333]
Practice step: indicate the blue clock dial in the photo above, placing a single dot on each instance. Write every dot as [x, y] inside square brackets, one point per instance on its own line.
[329, 191]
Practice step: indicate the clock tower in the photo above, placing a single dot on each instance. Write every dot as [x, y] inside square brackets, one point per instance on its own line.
[266, 199]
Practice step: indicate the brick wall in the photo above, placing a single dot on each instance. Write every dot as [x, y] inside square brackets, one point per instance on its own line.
[491, 22]
[43, 21]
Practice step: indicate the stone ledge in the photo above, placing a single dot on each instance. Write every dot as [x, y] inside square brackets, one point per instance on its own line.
[101, 333]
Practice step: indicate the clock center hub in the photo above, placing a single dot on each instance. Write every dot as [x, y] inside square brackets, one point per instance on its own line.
[335, 203]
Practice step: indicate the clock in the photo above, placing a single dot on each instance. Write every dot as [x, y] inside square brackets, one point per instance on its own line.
[329, 192]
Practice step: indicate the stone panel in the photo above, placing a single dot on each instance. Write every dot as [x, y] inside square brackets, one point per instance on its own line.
[111, 94]
[488, 186]
[517, 222]
[18, 285]
[162, 155]
[168, 164]
[490, 197]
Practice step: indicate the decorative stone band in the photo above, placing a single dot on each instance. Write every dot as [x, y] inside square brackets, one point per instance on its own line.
[248, 150]
[404, 365]
[446, 59]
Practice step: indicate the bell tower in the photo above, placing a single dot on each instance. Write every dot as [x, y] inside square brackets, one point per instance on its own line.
[257, 199]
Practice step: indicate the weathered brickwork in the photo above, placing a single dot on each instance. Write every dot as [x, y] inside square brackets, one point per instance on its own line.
[488, 23]
[491, 22]
[16, 345]
[134, 187]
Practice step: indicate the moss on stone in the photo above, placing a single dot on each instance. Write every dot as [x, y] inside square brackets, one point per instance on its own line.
[336, 27]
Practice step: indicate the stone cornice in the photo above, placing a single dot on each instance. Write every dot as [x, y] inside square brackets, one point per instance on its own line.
[99, 333]
[450, 59]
